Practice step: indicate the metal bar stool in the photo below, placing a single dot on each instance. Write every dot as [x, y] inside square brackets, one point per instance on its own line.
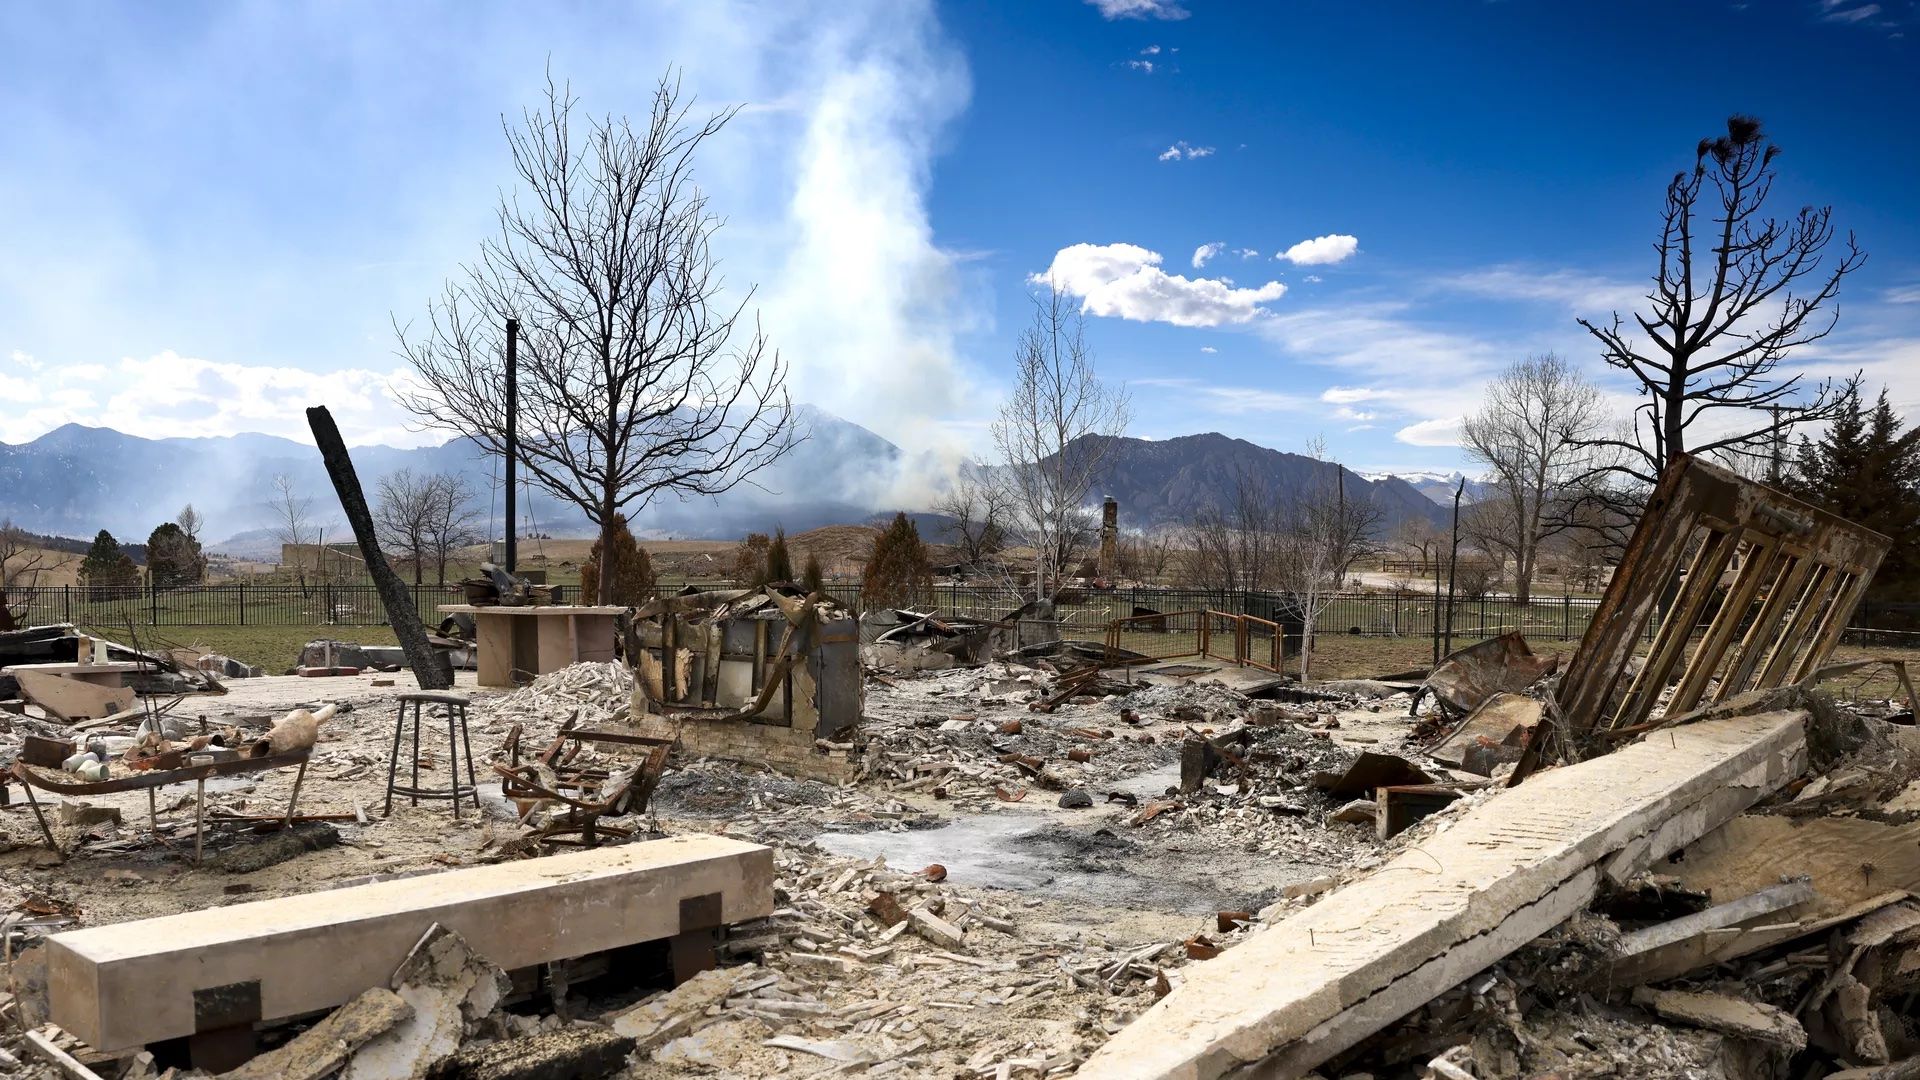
[457, 745]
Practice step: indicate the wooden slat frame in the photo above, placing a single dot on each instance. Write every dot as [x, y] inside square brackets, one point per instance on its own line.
[1813, 566]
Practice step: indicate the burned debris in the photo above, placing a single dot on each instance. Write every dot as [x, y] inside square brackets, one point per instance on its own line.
[734, 848]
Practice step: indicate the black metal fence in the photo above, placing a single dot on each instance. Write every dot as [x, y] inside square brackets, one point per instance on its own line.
[226, 605]
[1084, 613]
[1368, 614]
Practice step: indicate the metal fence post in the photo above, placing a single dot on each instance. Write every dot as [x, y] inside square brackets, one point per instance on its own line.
[1566, 618]
[66, 603]
[243, 604]
[153, 603]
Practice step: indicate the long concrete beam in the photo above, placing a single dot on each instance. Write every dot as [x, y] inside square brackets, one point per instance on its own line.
[1306, 988]
[133, 983]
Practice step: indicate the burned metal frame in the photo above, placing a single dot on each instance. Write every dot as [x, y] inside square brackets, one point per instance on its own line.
[1797, 574]
[1208, 626]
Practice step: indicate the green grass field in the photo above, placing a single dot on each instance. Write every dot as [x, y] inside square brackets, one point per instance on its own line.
[271, 647]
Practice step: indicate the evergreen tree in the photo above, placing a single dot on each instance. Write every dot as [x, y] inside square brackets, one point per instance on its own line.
[632, 569]
[107, 572]
[779, 562]
[174, 558]
[812, 578]
[1865, 469]
[897, 572]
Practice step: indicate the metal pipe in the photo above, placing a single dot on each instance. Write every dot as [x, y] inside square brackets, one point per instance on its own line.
[511, 556]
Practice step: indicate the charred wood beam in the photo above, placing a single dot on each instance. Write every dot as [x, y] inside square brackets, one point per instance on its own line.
[432, 670]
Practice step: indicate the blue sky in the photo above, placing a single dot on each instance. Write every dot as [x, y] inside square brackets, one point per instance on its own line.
[212, 212]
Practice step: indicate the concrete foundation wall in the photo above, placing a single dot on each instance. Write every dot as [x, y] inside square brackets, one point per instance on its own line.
[133, 983]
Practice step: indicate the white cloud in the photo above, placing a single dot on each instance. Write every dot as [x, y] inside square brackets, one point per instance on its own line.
[1850, 15]
[1140, 9]
[1184, 149]
[172, 396]
[1442, 431]
[1580, 293]
[1204, 252]
[1249, 253]
[1902, 294]
[1208, 349]
[1229, 400]
[1347, 395]
[1151, 50]
[1141, 65]
[1321, 250]
[1125, 281]
[1312, 279]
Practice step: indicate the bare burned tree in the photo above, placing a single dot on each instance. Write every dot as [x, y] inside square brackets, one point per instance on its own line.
[190, 522]
[1532, 435]
[1237, 546]
[980, 509]
[1327, 533]
[1053, 435]
[293, 525]
[403, 513]
[22, 562]
[1734, 293]
[1145, 556]
[633, 381]
[453, 522]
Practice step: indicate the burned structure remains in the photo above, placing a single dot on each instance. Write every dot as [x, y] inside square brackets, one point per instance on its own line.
[995, 848]
[764, 675]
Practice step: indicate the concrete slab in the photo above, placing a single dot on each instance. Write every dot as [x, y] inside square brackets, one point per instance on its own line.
[128, 984]
[1306, 988]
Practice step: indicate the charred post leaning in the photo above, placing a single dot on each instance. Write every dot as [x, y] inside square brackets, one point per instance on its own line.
[433, 673]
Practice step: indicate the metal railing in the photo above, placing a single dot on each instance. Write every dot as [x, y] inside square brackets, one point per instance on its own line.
[319, 604]
[1149, 616]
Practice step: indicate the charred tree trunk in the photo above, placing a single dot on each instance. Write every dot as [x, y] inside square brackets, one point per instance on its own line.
[430, 669]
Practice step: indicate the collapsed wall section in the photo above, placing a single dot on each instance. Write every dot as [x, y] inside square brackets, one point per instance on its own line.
[1302, 990]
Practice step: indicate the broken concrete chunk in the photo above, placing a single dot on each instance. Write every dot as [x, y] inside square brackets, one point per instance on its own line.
[935, 929]
[670, 1015]
[322, 1049]
[581, 1052]
[1357, 812]
[842, 1050]
[80, 815]
[1309, 887]
[721, 1046]
[1727, 1015]
[449, 987]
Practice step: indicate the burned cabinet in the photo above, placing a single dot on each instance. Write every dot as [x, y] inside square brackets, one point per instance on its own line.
[759, 656]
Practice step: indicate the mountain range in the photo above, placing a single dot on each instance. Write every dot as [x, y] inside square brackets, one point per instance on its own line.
[76, 480]
[1440, 486]
[1165, 482]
